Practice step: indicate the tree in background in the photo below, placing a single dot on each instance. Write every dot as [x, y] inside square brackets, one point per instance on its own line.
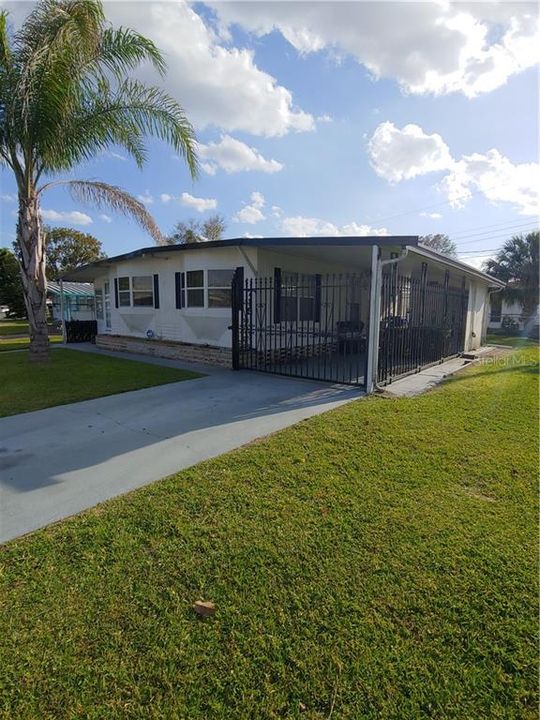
[517, 264]
[66, 248]
[66, 96]
[11, 289]
[440, 243]
[194, 231]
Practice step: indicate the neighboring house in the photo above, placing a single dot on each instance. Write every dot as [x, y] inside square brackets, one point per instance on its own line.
[359, 310]
[78, 300]
[508, 316]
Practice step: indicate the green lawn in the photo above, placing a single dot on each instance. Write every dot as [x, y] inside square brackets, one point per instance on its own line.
[13, 327]
[22, 343]
[511, 341]
[70, 376]
[376, 562]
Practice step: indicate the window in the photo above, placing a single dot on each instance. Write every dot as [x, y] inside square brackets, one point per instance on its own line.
[124, 294]
[195, 288]
[496, 308]
[298, 298]
[219, 288]
[142, 287]
[203, 288]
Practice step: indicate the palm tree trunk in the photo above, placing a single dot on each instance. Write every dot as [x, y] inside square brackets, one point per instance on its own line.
[32, 261]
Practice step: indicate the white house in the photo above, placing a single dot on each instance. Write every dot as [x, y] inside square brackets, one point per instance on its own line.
[360, 310]
[508, 315]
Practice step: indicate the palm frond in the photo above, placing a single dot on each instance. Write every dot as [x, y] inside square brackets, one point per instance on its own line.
[124, 118]
[66, 96]
[103, 195]
[5, 52]
[516, 264]
[122, 49]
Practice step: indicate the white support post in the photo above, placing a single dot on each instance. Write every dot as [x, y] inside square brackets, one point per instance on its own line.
[62, 310]
[374, 319]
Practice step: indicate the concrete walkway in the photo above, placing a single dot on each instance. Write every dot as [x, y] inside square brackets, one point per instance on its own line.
[418, 383]
[59, 461]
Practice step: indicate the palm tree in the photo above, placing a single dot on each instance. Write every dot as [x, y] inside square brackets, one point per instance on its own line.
[517, 265]
[64, 98]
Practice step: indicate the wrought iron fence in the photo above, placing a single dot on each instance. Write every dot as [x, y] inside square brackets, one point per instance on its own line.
[422, 322]
[81, 331]
[310, 326]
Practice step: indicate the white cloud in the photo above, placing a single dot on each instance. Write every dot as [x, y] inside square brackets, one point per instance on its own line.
[6, 197]
[165, 197]
[257, 199]
[252, 237]
[146, 198]
[300, 226]
[403, 154]
[467, 47]
[199, 204]
[105, 218]
[325, 118]
[74, 217]
[431, 216]
[252, 213]
[208, 168]
[498, 179]
[114, 155]
[234, 156]
[249, 214]
[217, 84]
[276, 211]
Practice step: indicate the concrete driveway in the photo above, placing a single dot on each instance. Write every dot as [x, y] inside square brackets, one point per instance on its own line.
[59, 461]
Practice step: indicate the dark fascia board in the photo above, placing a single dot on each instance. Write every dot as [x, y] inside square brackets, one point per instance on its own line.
[359, 241]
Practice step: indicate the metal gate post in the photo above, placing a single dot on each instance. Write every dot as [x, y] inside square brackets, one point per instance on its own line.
[237, 292]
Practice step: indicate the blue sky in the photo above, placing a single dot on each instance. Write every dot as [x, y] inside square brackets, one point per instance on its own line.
[345, 118]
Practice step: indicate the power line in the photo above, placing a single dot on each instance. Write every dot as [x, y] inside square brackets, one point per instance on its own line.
[465, 196]
[501, 225]
[478, 252]
[502, 236]
[489, 233]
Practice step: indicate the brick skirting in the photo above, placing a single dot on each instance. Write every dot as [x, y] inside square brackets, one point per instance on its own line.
[206, 354]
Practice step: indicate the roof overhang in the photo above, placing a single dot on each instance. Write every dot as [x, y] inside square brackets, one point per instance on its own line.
[90, 271]
[456, 265]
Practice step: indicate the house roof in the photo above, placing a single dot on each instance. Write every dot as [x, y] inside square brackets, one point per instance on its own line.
[360, 241]
[409, 241]
[71, 289]
[452, 262]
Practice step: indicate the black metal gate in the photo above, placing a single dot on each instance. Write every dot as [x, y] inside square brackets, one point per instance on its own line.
[308, 326]
[422, 322]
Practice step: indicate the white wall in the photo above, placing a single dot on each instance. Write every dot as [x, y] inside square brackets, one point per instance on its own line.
[205, 326]
[508, 309]
[476, 314]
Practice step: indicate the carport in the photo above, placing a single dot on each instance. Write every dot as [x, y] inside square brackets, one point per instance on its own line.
[390, 308]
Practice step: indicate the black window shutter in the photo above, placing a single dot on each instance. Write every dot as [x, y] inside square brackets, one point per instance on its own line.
[317, 309]
[179, 290]
[277, 295]
[238, 285]
[116, 292]
[156, 292]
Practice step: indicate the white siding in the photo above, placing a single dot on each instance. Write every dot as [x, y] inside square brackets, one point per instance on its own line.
[204, 326]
